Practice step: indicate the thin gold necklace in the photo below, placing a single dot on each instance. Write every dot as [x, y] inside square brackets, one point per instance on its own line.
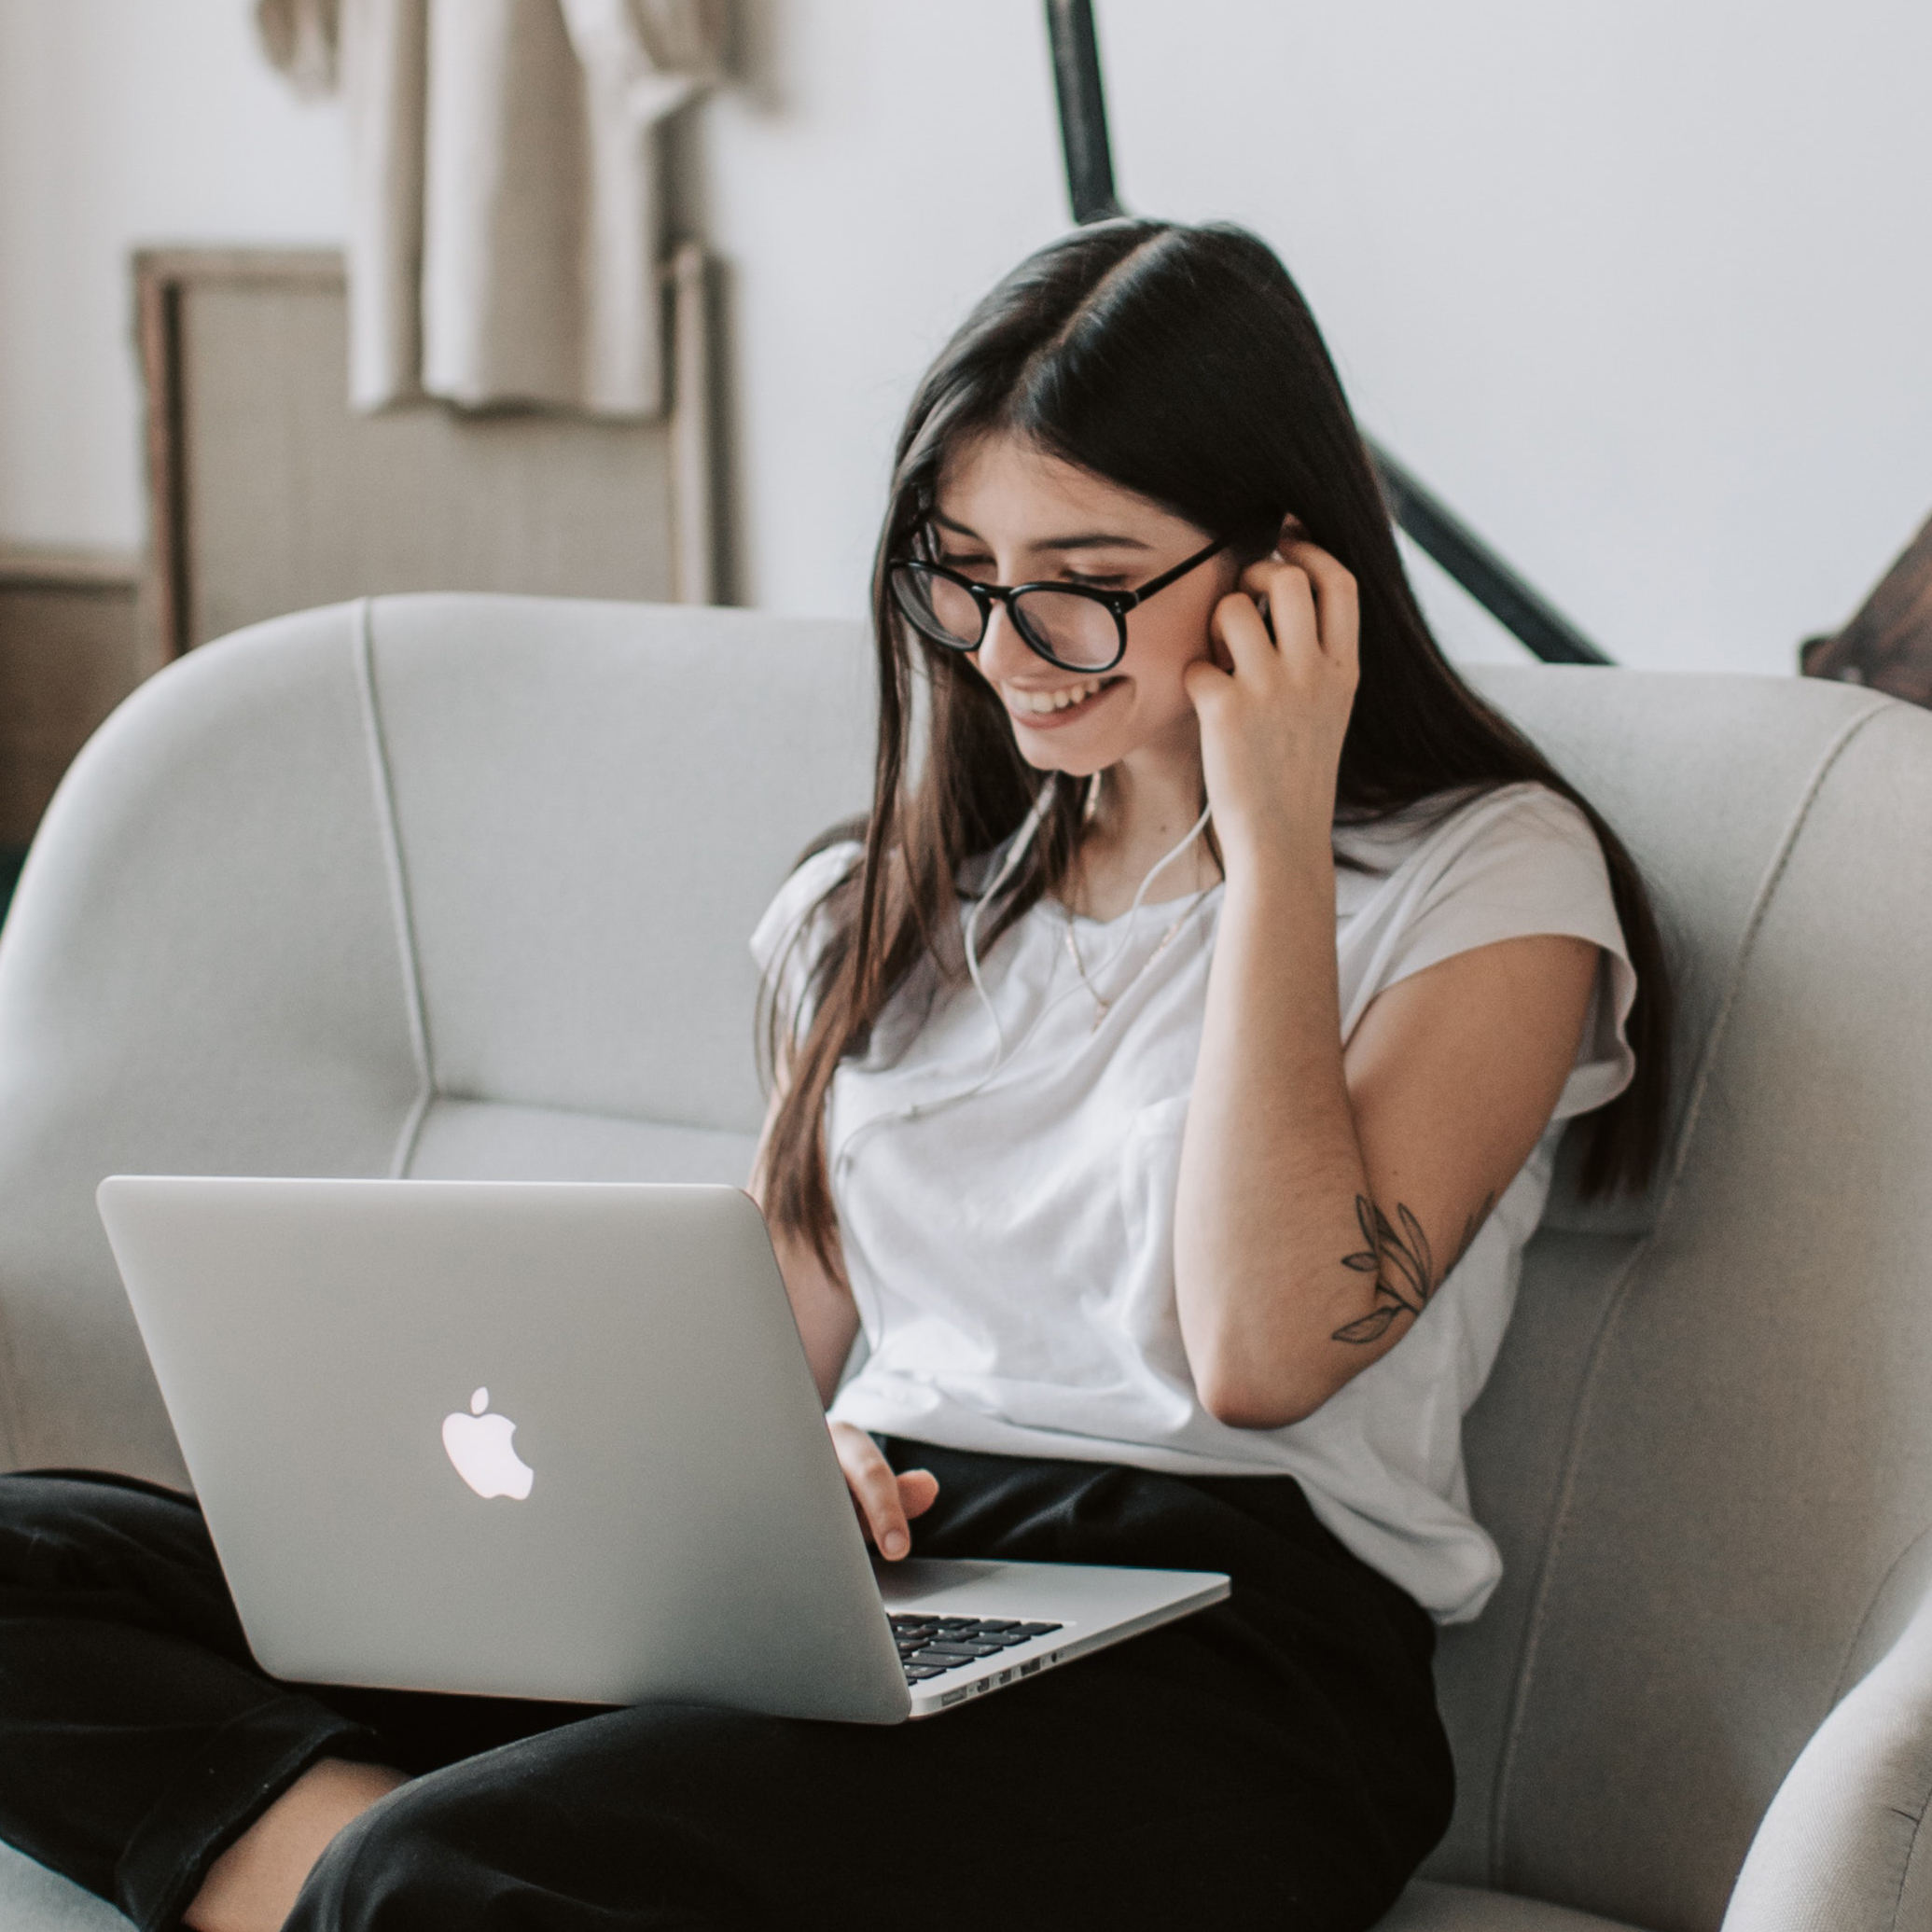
[1102, 1007]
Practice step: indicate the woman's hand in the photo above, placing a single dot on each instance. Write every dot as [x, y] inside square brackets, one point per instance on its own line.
[1271, 724]
[886, 1502]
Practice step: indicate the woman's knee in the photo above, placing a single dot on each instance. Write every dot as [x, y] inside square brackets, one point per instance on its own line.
[108, 1552]
[528, 1834]
[394, 1867]
[55, 1524]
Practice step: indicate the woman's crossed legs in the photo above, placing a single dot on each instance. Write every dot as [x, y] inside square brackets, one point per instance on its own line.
[1276, 1760]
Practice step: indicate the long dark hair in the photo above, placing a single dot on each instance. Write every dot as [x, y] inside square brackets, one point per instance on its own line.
[1182, 364]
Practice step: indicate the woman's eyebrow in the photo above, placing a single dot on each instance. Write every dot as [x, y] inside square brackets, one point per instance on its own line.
[1082, 541]
[1093, 540]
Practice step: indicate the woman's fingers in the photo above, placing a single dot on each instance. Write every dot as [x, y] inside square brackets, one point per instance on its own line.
[919, 1490]
[885, 1501]
[875, 1490]
[1255, 646]
[1291, 607]
[1204, 683]
[1311, 598]
[1337, 600]
[1240, 630]
[1311, 605]
[1272, 727]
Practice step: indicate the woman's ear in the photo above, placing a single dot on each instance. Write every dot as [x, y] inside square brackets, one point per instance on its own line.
[1292, 531]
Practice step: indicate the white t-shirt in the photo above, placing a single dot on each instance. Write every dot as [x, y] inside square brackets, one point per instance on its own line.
[1009, 1239]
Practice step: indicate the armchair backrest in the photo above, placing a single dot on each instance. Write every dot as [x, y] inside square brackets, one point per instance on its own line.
[441, 885]
[460, 886]
[1707, 1449]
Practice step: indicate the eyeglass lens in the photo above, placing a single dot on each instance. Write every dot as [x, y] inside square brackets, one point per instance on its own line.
[1079, 632]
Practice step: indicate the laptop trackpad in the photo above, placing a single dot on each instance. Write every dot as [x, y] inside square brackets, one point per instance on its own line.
[1090, 1594]
[921, 1582]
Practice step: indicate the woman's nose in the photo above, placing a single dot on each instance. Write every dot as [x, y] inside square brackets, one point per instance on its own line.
[1003, 653]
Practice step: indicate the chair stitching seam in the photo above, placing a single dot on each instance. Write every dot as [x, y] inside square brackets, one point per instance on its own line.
[464, 1097]
[1911, 1852]
[1760, 908]
[1526, 1656]
[401, 913]
[1619, 1298]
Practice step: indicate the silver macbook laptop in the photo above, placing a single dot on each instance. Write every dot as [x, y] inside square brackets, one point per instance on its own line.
[552, 1440]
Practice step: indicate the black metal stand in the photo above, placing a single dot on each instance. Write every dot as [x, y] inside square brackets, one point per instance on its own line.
[1520, 607]
[1523, 610]
[1083, 111]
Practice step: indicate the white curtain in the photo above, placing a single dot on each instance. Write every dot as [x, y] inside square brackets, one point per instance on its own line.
[504, 203]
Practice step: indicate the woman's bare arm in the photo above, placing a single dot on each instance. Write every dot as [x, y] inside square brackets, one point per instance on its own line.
[827, 1319]
[1323, 1199]
[822, 1304]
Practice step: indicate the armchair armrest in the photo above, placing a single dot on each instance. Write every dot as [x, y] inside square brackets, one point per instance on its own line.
[1845, 1844]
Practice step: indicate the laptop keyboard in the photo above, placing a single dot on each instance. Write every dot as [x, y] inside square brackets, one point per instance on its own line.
[929, 1647]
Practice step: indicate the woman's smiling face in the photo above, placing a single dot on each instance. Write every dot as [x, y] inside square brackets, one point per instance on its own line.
[1010, 513]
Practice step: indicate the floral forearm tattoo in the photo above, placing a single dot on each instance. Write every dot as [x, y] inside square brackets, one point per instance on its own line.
[1402, 1263]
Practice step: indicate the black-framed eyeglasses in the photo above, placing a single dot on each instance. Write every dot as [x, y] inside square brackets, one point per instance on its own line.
[1077, 627]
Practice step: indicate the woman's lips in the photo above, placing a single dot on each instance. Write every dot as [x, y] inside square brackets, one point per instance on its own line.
[1022, 713]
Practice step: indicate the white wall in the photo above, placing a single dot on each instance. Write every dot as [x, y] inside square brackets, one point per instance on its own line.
[123, 123]
[1643, 289]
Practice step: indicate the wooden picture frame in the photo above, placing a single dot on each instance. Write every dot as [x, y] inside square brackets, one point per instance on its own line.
[268, 493]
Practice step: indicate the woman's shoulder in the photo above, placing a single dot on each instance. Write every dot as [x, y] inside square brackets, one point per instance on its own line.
[799, 896]
[1524, 822]
[1464, 868]
[1469, 871]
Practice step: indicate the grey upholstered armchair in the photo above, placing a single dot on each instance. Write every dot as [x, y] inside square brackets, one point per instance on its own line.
[460, 886]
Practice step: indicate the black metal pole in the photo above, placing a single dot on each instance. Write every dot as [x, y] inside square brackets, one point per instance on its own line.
[1417, 510]
[1521, 609]
[1083, 114]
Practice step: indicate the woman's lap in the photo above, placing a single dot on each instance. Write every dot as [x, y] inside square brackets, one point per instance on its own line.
[1085, 1800]
[1278, 1750]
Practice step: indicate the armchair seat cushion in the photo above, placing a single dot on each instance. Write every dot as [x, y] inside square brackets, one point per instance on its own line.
[35, 1899]
[493, 1140]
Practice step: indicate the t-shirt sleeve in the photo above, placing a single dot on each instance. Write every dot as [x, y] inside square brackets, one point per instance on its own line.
[786, 940]
[1515, 864]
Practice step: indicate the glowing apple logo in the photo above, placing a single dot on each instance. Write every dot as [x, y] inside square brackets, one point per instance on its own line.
[480, 1446]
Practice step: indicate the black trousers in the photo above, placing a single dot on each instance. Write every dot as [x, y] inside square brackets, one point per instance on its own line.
[1274, 1761]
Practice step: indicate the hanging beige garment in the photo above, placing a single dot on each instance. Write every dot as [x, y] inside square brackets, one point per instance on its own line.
[504, 198]
[299, 37]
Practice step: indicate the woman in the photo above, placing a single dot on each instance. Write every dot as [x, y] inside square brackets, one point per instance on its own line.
[1169, 1074]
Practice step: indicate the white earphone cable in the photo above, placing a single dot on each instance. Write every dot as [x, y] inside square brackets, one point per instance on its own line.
[1140, 897]
[1002, 1052]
